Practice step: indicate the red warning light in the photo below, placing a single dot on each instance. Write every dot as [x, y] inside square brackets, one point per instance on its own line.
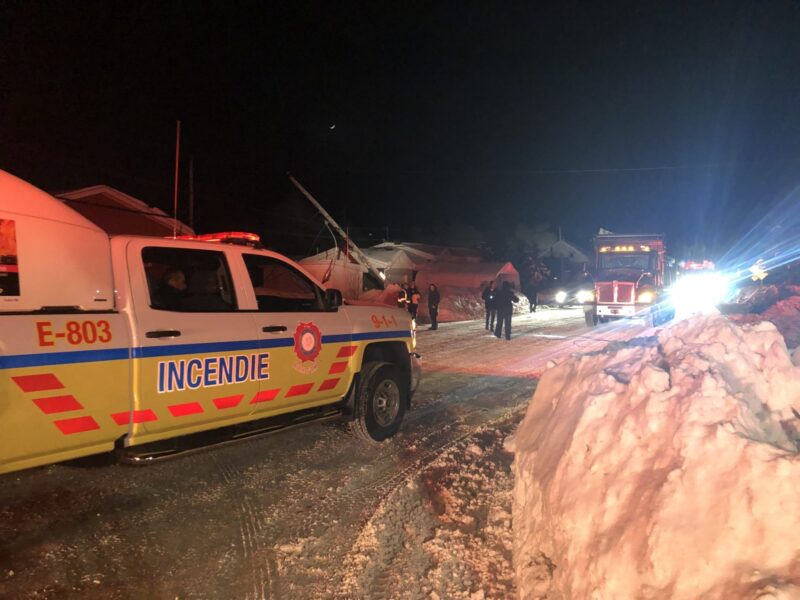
[225, 237]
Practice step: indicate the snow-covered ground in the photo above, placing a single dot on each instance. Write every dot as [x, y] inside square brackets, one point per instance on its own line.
[663, 467]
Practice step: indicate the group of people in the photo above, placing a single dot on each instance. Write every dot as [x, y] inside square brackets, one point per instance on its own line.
[409, 298]
[499, 304]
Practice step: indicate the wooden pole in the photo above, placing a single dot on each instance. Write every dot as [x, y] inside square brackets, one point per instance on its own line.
[351, 247]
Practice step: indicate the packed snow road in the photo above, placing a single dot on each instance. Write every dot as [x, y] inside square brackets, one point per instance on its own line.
[309, 512]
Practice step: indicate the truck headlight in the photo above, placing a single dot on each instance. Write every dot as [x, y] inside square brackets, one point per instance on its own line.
[561, 297]
[584, 296]
[646, 297]
[699, 293]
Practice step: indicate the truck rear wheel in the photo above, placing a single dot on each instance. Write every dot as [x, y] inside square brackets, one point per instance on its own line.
[381, 400]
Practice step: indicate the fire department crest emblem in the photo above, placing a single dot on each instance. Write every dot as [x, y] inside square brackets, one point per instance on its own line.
[307, 346]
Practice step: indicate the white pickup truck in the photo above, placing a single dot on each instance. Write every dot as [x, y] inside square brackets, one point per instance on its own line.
[146, 346]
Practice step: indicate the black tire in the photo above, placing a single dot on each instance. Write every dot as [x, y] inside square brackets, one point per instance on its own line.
[603, 319]
[381, 400]
[591, 320]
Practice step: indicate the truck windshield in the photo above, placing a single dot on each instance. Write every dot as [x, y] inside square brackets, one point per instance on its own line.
[627, 263]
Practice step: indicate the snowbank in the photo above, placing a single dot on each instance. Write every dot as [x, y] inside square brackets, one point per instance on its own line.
[778, 305]
[663, 467]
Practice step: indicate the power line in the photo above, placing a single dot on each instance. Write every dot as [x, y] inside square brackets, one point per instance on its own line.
[573, 171]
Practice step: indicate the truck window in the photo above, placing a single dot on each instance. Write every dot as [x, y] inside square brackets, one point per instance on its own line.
[627, 262]
[281, 288]
[185, 280]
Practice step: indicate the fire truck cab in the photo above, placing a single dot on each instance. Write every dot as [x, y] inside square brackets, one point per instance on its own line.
[630, 278]
[135, 344]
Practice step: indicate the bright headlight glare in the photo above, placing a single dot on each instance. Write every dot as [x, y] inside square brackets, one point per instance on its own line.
[585, 296]
[699, 292]
[647, 297]
[561, 297]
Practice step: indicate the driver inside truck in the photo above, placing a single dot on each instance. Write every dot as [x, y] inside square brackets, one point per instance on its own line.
[171, 291]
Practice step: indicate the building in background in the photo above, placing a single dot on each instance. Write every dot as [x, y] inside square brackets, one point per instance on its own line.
[117, 213]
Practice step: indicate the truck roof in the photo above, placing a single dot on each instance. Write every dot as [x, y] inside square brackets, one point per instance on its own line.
[21, 198]
[631, 236]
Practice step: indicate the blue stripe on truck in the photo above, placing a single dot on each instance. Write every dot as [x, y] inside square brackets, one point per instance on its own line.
[83, 356]
[63, 358]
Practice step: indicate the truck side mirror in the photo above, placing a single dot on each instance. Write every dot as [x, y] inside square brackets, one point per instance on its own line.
[333, 299]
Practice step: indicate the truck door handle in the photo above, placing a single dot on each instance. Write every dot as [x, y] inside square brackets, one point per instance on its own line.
[163, 333]
[273, 328]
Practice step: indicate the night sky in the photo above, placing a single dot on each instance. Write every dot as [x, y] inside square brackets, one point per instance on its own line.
[633, 116]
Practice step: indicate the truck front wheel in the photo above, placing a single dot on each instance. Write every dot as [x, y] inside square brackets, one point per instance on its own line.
[380, 402]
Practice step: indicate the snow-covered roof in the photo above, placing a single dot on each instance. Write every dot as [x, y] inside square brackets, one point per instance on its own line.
[421, 253]
[563, 249]
[488, 268]
[466, 274]
[394, 257]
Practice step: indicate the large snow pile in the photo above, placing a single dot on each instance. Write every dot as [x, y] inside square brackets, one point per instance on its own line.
[664, 467]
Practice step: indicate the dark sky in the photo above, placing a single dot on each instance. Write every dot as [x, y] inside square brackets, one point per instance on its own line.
[677, 117]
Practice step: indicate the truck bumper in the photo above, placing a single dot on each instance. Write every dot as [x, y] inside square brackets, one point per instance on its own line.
[620, 311]
[616, 310]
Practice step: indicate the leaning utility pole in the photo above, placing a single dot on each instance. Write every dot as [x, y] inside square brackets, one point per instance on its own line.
[357, 254]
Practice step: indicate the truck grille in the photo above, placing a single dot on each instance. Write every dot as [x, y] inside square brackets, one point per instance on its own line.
[615, 292]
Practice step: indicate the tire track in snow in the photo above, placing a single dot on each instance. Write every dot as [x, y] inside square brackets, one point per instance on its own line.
[380, 587]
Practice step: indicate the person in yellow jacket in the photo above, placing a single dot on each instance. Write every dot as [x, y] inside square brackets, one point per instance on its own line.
[403, 297]
[413, 303]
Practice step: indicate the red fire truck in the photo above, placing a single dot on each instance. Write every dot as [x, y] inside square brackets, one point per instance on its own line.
[630, 278]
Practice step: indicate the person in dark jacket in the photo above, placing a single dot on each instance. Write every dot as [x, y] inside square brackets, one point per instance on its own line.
[433, 305]
[171, 293]
[488, 295]
[505, 300]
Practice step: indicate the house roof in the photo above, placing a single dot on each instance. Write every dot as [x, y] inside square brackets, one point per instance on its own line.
[567, 250]
[484, 268]
[117, 213]
[393, 258]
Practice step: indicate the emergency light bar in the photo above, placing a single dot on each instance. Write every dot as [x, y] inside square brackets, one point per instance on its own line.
[641, 248]
[693, 265]
[226, 237]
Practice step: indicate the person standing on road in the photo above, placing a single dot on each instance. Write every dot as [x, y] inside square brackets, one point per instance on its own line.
[414, 298]
[402, 297]
[433, 305]
[488, 295]
[537, 281]
[506, 298]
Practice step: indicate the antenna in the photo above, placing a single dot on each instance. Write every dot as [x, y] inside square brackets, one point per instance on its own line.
[191, 192]
[175, 198]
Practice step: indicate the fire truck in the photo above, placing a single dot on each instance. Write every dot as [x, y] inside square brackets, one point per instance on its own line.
[145, 346]
[631, 277]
